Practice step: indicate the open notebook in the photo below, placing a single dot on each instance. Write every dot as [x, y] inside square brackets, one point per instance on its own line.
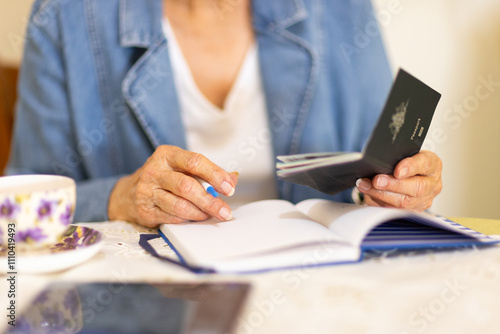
[276, 234]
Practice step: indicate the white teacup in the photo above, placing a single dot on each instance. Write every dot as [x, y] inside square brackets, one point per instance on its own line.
[35, 210]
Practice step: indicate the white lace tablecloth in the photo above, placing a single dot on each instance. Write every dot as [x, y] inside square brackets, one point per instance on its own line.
[446, 292]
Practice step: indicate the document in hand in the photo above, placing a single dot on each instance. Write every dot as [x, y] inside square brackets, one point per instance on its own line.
[399, 133]
[275, 234]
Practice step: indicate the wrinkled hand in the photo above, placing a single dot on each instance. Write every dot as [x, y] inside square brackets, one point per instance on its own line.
[414, 185]
[164, 190]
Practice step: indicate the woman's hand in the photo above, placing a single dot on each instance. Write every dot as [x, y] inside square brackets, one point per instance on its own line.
[415, 183]
[164, 190]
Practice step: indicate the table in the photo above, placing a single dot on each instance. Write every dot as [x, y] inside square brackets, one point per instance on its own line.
[455, 291]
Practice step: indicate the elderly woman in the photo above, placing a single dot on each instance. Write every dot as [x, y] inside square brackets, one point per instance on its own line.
[136, 99]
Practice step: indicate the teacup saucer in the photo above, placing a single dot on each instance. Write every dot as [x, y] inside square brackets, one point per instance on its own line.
[77, 245]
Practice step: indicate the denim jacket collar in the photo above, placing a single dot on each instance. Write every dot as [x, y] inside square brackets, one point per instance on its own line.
[138, 32]
[140, 22]
[281, 14]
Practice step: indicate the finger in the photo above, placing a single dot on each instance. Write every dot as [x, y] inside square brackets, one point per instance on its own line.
[178, 206]
[416, 186]
[198, 165]
[191, 191]
[387, 198]
[422, 163]
[234, 177]
[390, 199]
[364, 185]
[371, 202]
[153, 216]
[373, 196]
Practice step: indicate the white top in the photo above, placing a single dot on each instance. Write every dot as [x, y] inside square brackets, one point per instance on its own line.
[237, 137]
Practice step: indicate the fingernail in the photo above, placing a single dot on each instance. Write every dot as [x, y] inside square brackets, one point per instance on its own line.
[235, 173]
[382, 182]
[227, 188]
[403, 172]
[363, 185]
[225, 213]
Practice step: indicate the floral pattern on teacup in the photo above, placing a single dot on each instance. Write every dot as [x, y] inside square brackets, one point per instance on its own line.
[30, 234]
[40, 217]
[67, 216]
[9, 209]
[45, 209]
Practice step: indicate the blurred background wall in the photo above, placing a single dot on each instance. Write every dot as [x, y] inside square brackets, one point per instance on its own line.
[13, 19]
[454, 46]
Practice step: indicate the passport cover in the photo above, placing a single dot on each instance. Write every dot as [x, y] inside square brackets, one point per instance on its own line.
[399, 133]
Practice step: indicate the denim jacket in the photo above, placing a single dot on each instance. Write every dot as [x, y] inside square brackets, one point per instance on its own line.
[97, 96]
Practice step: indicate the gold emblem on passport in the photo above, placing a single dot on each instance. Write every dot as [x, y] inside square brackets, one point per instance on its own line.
[398, 119]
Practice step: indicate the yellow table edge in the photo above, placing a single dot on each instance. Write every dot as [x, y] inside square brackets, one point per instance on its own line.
[485, 226]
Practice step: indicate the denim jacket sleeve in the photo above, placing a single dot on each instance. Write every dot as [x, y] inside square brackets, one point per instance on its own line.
[43, 140]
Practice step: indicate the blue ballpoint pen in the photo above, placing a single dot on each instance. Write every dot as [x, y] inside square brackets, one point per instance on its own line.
[208, 187]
